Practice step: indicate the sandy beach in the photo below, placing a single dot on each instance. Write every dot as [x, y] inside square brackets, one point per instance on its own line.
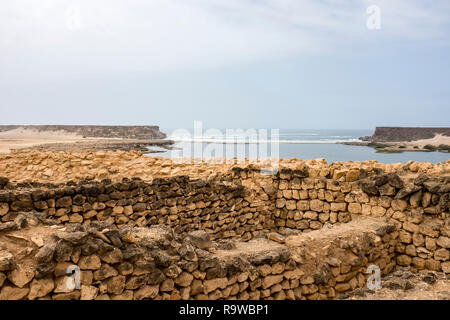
[437, 140]
[25, 138]
[60, 140]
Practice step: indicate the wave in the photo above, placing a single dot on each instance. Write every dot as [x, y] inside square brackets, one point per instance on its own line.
[249, 141]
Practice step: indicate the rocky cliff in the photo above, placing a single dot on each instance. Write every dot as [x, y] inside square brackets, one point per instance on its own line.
[125, 132]
[394, 134]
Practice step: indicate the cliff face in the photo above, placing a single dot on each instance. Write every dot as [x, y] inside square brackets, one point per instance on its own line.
[394, 134]
[125, 132]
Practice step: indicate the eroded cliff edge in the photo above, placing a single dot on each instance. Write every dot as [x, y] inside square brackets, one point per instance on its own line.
[88, 131]
[396, 134]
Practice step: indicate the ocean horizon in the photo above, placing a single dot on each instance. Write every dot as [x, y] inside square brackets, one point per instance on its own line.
[292, 143]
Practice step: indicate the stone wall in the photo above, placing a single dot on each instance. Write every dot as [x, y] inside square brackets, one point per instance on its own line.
[178, 202]
[246, 203]
[156, 263]
[291, 235]
[419, 208]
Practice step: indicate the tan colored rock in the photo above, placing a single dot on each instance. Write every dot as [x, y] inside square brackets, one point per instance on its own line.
[4, 208]
[443, 242]
[112, 256]
[405, 237]
[338, 206]
[399, 205]
[310, 215]
[445, 266]
[265, 270]
[196, 287]
[433, 265]
[378, 211]
[115, 285]
[105, 272]
[13, 293]
[274, 236]
[305, 280]
[91, 262]
[280, 203]
[184, 279]
[271, 280]
[404, 260]
[430, 243]
[342, 287]
[419, 263]
[21, 276]
[64, 284]
[2, 279]
[418, 239]
[366, 209]
[303, 205]
[167, 285]
[352, 175]
[40, 288]
[291, 205]
[213, 284]
[293, 274]
[354, 207]
[146, 292]
[277, 268]
[75, 218]
[88, 292]
[442, 254]
[316, 205]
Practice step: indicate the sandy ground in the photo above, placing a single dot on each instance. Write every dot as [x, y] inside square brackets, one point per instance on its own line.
[23, 138]
[436, 141]
[63, 141]
[401, 146]
[418, 145]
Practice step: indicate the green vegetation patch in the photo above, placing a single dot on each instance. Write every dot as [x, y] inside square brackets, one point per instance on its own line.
[444, 148]
[378, 145]
[430, 147]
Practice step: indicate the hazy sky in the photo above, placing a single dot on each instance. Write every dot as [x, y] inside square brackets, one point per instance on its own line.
[229, 63]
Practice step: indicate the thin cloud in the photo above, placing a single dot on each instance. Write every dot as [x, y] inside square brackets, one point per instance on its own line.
[36, 42]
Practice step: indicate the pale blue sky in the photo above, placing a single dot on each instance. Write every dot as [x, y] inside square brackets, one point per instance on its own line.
[229, 63]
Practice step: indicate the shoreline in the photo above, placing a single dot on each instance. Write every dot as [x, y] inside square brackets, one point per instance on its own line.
[28, 138]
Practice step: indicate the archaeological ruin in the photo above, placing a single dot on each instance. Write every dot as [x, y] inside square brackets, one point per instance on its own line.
[135, 227]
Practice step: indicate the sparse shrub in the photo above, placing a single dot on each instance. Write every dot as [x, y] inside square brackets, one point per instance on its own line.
[377, 145]
[444, 147]
[430, 147]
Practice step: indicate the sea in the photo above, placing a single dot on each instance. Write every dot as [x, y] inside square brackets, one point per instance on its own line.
[283, 143]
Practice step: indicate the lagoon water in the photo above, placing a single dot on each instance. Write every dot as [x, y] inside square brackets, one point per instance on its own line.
[292, 143]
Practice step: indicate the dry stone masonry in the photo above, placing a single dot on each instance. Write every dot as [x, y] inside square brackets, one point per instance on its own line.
[210, 231]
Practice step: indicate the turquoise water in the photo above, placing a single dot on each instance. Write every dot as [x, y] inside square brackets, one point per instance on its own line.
[303, 144]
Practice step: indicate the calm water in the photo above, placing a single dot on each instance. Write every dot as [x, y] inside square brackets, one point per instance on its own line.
[303, 144]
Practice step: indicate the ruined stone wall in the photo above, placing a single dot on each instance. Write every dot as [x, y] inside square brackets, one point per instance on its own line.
[244, 204]
[419, 208]
[156, 263]
[183, 204]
